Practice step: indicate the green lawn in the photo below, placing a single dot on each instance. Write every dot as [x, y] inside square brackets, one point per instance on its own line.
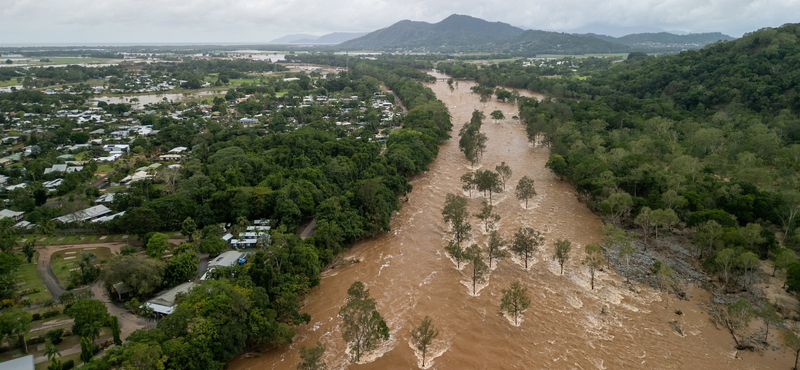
[11, 82]
[103, 168]
[281, 93]
[29, 275]
[62, 262]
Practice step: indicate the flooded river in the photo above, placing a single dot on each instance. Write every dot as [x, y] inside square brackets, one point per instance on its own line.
[568, 326]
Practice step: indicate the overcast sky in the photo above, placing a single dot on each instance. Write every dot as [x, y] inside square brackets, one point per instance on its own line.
[259, 21]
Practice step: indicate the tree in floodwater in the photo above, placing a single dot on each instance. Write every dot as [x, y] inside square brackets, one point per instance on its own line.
[497, 115]
[561, 253]
[526, 241]
[488, 181]
[514, 301]
[479, 268]
[593, 260]
[495, 244]
[666, 277]
[486, 216]
[455, 212]
[312, 358]
[504, 171]
[456, 251]
[423, 335]
[525, 190]
[468, 180]
[363, 327]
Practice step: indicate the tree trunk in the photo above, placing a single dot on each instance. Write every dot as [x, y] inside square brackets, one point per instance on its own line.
[795, 359]
[22, 338]
[526, 202]
[562, 268]
[592, 279]
[766, 335]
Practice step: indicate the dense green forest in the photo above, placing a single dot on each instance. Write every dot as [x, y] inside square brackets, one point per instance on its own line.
[707, 138]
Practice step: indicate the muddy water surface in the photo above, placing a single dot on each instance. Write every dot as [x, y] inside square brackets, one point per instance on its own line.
[568, 326]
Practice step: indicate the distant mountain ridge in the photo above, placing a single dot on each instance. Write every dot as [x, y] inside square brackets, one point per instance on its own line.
[666, 39]
[331, 38]
[463, 33]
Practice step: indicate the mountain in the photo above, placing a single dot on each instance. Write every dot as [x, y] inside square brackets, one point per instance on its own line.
[456, 31]
[667, 40]
[288, 39]
[331, 38]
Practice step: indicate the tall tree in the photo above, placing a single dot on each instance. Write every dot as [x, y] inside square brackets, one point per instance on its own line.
[468, 180]
[455, 212]
[725, 260]
[561, 253]
[51, 351]
[495, 247]
[525, 190]
[526, 241]
[617, 205]
[488, 181]
[792, 340]
[479, 268]
[593, 259]
[514, 301]
[457, 252]
[91, 330]
[768, 314]
[646, 221]
[504, 171]
[423, 335]
[312, 358]
[363, 326]
[157, 245]
[666, 276]
[486, 216]
[115, 330]
[16, 322]
[87, 350]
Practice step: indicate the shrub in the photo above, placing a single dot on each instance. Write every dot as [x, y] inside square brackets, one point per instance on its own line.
[50, 314]
[36, 340]
[68, 365]
[36, 317]
[55, 336]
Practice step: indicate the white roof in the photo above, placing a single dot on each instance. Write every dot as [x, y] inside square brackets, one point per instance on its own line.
[22, 363]
[164, 302]
[226, 259]
[109, 217]
[178, 149]
[9, 213]
[86, 214]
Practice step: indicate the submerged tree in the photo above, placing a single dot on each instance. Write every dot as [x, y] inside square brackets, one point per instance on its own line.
[423, 335]
[495, 245]
[479, 268]
[312, 358]
[363, 326]
[768, 314]
[455, 213]
[497, 115]
[486, 216]
[526, 241]
[525, 190]
[456, 251]
[504, 171]
[514, 301]
[593, 260]
[468, 180]
[561, 253]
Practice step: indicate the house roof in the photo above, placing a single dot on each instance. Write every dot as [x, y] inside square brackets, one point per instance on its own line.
[9, 213]
[164, 302]
[86, 214]
[22, 363]
[226, 259]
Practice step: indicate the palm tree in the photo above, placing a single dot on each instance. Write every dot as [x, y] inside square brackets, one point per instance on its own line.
[88, 260]
[46, 226]
[92, 330]
[51, 352]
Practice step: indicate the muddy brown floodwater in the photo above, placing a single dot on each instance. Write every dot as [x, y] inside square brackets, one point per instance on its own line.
[568, 325]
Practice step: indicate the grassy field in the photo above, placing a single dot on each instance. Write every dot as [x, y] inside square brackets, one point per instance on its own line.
[101, 168]
[77, 239]
[29, 275]
[11, 82]
[63, 262]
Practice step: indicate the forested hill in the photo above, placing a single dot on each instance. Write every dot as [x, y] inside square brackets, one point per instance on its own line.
[454, 31]
[761, 70]
[462, 33]
[662, 40]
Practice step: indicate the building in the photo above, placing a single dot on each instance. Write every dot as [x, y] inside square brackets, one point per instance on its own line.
[164, 303]
[226, 259]
[170, 158]
[22, 363]
[84, 215]
[16, 216]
